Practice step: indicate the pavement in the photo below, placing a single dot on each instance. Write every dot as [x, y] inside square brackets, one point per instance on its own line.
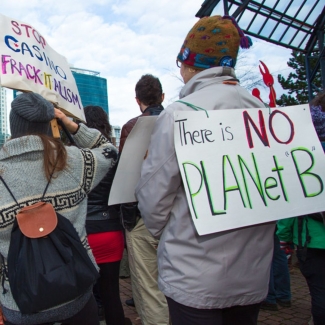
[297, 314]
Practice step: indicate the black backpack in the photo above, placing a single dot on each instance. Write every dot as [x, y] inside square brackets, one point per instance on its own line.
[48, 269]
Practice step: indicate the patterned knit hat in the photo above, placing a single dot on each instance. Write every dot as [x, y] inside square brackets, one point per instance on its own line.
[30, 114]
[213, 41]
[318, 118]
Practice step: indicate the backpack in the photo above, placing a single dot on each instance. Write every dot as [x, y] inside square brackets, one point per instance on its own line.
[47, 263]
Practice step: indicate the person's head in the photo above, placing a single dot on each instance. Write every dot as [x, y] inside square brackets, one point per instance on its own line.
[148, 91]
[317, 110]
[97, 118]
[319, 100]
[212, 42]
[31, 115]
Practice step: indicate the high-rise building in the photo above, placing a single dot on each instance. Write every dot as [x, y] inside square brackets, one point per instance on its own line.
[92, 88]
[3, 116]
[116, 135]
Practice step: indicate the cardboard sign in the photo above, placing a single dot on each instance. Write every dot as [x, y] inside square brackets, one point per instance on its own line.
[129, 167]
[249, 166]
[28, 63]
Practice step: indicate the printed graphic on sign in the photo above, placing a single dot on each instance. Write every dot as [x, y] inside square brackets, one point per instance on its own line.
[28, 63]
[249, 166]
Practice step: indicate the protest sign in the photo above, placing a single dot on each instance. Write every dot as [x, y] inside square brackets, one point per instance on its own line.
[28, 63]
[129, 167]
[248, 166]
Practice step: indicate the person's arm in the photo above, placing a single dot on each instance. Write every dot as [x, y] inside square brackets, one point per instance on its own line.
[124, 135]
[160, 176]
[71, 126]
[285, 235]
[97, 155]
[126, 130]
[285, 229]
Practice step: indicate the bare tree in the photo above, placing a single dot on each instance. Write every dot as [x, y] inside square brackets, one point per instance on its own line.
[248, 72]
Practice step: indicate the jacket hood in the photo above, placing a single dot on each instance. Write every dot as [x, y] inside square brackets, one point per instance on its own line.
[205, 78]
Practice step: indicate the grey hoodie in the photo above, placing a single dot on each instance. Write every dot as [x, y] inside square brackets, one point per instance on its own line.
[213, 271]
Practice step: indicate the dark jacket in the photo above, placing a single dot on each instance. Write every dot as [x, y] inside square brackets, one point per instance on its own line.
[127, 127]
[100, 216]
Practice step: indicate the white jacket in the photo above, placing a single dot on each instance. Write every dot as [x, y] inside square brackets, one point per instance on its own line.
[213, 271]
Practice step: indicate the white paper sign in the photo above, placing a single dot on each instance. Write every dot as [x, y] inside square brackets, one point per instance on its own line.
[129, 168]
[249, 166]
[28, 63]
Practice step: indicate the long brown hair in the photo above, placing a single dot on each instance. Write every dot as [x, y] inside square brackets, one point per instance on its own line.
[55, 155]
[97, 118]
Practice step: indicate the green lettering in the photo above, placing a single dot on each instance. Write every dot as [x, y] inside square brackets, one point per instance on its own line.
[278, 169]
[307, 172]
[271, 182]
[256, 180]
[193, 193]
[207, 187]
[233, 187]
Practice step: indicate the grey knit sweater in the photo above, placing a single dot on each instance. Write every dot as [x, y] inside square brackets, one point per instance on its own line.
[21, 166]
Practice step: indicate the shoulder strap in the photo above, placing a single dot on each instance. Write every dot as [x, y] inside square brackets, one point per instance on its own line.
[303, 246]
[47, 185]
[7, 187]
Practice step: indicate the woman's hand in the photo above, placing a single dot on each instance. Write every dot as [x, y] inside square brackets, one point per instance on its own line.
[71, 126]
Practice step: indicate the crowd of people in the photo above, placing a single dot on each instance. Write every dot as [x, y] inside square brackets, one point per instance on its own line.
[177, 276]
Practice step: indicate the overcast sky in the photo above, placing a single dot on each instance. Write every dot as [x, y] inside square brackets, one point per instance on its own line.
[124, 39]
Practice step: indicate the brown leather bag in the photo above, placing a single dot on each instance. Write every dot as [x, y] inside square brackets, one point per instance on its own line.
[37, 220]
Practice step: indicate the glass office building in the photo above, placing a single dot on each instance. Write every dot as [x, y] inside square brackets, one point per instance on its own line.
[92, 88]
[116, 135]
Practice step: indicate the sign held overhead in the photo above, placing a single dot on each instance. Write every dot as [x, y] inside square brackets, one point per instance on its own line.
[28, 63]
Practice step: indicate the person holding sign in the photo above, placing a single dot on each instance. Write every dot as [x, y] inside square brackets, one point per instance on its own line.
[218, 278]
[31, 160]
[150, 303]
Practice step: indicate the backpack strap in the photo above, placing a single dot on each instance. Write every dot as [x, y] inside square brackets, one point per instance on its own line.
[303, 246]
[7, 187]
[48, 183]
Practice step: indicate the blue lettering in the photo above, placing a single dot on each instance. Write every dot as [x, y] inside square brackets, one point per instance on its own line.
[10, 38]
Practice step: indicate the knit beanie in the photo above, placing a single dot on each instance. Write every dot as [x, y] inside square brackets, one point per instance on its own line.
[30, 114]
[213, 41]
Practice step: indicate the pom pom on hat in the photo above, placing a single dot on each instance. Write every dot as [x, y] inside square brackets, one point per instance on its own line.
[213, 41]
[245, 41]
[30, 114]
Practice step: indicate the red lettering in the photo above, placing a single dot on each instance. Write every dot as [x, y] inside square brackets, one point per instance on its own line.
[15, 24]
[292, 129]
[261, 133]
[27, 29]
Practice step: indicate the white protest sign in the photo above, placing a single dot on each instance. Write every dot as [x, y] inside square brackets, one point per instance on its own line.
[129, 167]
[28, 63]
[249, 166]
